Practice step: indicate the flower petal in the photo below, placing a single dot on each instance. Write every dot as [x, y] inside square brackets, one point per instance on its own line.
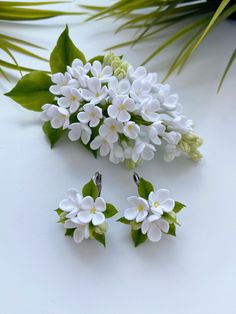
[131, 213]
[145, 226]
[167, 205]
[87, 202]
[163, 225]
[141, 216]
[154, 233]
[85, 216]
[98, 219]
[100, 204]
[162, 195]
[70, 224]
[78, 235]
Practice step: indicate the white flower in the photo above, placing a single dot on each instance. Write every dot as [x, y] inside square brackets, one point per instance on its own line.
[91, 114]
[116, 154]
[81, 231]
[171, 151]
[71, 204]
[144, 150]
[131, 129]
[71, 98]
[79, 130]
[137, 73]
[79, 71]
[138, 210]
[153, 226]
[102, 144]
[149, 109]
[95, 92]
[92, 211]
[61, 80]
[181, 124]
[160, 202]
[168, 101]
[157, 131]
[140, 90]
[59, 117]
[102, 74]
[120, 108]
[110, 129]
[116, 87]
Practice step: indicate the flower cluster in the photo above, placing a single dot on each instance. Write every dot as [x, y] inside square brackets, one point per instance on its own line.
[151, 214]
[85, 216]
[119, 111]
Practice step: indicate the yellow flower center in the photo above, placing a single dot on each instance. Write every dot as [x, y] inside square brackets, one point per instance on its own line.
[156, 204]
[113, 127]
[97, 94]
[72, 98]
[93, 210]
[130, 127]
[140, 207]
[93, 115]
[122, 107]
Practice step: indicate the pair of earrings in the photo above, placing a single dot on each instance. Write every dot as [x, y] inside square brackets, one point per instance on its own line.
[150, 214]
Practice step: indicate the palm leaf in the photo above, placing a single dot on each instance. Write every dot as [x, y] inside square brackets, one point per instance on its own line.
[23, 11]
[163, 14]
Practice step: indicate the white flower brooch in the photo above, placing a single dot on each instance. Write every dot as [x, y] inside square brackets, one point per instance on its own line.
[151, 214]
[109, 106]
[84, 216]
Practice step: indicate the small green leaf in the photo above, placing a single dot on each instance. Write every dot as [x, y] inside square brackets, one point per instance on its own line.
[100, 238]
[52, 134]
[139, 120]
[138, 237]
[59, 211]
[110, 210]
[64, 53]
[97, 58]
[69, 232]
[123, 220]
[144, 188]
[178, 207]
[172, 230]
[90, 189]
[170, 217]
[32, 91]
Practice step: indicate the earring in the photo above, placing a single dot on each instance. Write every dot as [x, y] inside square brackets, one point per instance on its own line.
[84, 216]
[150, 214]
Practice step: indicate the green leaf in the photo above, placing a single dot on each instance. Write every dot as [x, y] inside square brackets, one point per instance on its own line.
[170, 218]
[139, 120]
[32, 91]
[144, 188]
[52, 134]
[228, 66]
[100, 238]
[123, 220]
[110, 210]
[64, 53]
[172, 230]
[59, 211]
[69, 232]
[178, 207]
[97, 58]
[138, 237]
[90, 189]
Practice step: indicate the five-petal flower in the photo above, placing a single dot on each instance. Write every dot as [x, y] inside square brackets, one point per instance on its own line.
[91, 114]
[138, 210]
[120, 108]
[92, 210]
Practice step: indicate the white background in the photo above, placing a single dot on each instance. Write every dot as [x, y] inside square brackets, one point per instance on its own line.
[43, 272]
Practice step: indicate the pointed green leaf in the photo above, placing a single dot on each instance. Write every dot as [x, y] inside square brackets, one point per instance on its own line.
[32, 91]
[144, 188]
[52, 134]
[64, 53]
[123, 220]
[97, 58]
[138, 237]
[172, 230]
[178, 207]
[59, 211]
[110, 210]
[69, 232]
[100, 238]
[170, 217]
[90, 189]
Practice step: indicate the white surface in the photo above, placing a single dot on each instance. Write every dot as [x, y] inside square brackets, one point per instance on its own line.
[43, 272]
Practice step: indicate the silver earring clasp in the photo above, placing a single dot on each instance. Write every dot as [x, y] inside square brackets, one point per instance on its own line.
[136, 178]
[97, 178]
